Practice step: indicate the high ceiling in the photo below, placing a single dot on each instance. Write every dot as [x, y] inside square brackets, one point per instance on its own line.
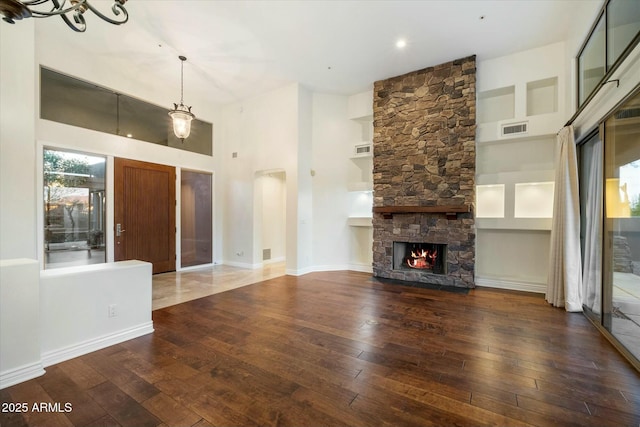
[237, 49]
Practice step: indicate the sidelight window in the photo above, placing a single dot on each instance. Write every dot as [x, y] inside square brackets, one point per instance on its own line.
[74, 208]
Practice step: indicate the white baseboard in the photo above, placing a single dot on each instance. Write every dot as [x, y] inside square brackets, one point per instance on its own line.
[299, 272]
[344, 267]
[21, 374]
[364, 268]
[243, 265]
[60, 355]
[274, 260]
[539, 288]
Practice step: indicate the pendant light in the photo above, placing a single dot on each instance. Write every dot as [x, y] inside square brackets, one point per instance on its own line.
[181, 115]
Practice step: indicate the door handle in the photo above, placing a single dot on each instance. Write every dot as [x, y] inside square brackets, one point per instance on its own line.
[119, 230]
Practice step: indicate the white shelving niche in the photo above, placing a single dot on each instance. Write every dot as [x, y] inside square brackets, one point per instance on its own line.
[360, 183]
[521, 105]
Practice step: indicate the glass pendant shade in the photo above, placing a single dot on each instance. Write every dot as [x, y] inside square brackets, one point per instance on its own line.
[181, 115]
[181, 118]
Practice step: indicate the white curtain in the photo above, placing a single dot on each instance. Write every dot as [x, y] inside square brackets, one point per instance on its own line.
[592, 269]
[564, 282]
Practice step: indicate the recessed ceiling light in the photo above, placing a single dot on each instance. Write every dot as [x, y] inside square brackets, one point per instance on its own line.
[401, 44]
[129, 135]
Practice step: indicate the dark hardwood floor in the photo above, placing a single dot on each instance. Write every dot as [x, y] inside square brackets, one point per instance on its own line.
[340, 349]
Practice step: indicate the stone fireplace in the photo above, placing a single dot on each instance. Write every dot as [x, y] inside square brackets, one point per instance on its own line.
[423, 256]
[424, 174]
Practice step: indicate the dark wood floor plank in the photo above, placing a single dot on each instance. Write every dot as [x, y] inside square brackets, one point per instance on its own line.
[342, 348]
[32, 393]
[122, 407]
[81, 373]
[83, 410]
[170, 412]
[10, 416]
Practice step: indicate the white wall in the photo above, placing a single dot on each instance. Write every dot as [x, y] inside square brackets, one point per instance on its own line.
[75, 302]
[17, 141]
[20, 321]
[263, 132]
[304, 238]
[513, 252]
[273, 218]
[517, 70]
[332, 145]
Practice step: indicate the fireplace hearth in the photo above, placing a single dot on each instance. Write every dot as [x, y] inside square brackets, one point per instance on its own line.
[427, 257]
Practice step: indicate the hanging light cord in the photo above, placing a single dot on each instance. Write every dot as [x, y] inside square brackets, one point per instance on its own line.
[182, 59]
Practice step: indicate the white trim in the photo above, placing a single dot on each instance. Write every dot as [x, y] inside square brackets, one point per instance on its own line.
[274, 260]
[60, 355]
[243, 265]
[363, 268]
[300, 272]
[340, 267]
[21, 374]
[539, 288]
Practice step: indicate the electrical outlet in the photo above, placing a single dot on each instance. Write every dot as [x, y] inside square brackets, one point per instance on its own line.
[112, 310]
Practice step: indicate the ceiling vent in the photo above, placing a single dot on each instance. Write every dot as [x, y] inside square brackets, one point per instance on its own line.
[514, 129]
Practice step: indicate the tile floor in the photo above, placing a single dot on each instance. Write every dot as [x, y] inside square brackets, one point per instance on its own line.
[178, 287]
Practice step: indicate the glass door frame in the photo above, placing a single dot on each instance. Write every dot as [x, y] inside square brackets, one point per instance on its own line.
[603, 321]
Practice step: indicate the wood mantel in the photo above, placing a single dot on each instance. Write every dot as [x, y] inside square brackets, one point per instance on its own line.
[449, 210]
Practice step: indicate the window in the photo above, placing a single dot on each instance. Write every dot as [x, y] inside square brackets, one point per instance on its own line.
[74, 208]
[195, 218]
[71, 101]
[623, 24]
[591, 62]
[613, 36]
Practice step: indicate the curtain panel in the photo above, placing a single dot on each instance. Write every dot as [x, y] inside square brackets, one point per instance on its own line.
[564, 282]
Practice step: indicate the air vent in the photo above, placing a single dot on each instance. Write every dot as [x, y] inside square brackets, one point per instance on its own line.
[362, 150]
[514, 129]
[266, 254]
[628, 113]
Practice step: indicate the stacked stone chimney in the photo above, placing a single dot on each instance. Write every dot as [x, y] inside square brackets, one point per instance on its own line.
[424, 156]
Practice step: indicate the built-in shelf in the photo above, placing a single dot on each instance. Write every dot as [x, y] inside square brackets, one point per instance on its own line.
[360, 221]
[450, 211]
[534, 200]
[359, 181]
[497, 104]
[490, 201]
[542, 96]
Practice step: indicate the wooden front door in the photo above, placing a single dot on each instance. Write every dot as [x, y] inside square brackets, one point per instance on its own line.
[145, 213]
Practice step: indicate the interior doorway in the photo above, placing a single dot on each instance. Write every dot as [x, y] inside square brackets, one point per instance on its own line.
[145, 213]
[270, 219]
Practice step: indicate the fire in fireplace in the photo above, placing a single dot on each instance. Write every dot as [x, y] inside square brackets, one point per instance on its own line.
[422, 259]
[429, 257]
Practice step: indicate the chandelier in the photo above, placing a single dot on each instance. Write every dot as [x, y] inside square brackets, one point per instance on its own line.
[181, 115]
[14, 10]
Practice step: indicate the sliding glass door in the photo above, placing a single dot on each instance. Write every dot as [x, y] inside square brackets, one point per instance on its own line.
[621, 260]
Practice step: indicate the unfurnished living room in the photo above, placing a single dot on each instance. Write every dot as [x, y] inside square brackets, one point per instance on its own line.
[320, 213]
